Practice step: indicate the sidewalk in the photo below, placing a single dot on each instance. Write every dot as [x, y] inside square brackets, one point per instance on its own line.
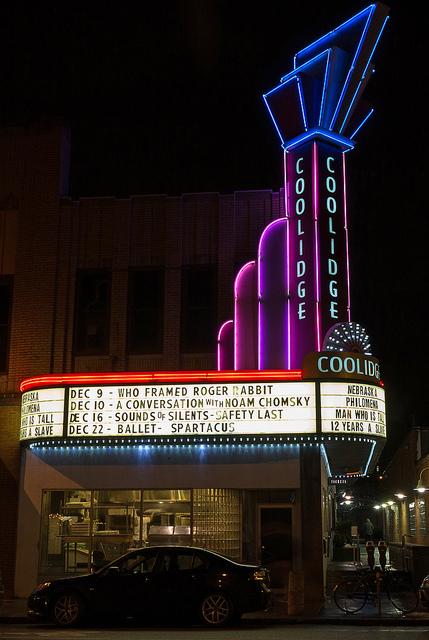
[331, 614]
[13, 611]
[369, 614]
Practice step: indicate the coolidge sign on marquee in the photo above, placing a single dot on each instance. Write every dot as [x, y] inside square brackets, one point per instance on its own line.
[223, 407]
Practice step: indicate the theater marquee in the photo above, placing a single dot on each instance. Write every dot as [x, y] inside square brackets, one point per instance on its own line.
[166, 410]
[237, 403]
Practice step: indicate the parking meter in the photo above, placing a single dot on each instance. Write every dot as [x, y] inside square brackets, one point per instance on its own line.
[370, 549]
[382, 548]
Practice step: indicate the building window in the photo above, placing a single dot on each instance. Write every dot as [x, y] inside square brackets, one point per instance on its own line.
[89, 528]
[6, 284]
[217, 520]
[92, 316]
[146, 311]
[199, 309]
[422, 517]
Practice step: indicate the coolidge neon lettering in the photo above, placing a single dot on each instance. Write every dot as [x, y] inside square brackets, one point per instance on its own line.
[301, 266]
[331, 206]
[336, 364]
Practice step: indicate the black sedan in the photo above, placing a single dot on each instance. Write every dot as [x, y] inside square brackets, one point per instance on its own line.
[157, 582]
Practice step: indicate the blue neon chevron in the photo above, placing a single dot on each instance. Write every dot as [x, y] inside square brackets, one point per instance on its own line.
[325, 88]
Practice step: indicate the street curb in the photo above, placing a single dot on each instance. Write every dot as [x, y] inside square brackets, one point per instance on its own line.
[347, 621]
[351, 620]
[13, 619]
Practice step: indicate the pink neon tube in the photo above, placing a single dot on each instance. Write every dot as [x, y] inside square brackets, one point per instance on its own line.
[347, 238]
[316, 240]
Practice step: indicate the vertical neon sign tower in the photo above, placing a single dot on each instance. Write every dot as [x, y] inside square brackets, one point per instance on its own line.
[303, 262]
[317, 112]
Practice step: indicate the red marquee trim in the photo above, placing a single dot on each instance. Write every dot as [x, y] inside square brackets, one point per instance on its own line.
[136, 377]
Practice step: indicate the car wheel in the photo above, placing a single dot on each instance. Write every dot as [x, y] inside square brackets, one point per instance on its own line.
[67, 609]
[216, 609]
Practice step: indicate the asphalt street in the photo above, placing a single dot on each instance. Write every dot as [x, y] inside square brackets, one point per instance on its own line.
[245, 632]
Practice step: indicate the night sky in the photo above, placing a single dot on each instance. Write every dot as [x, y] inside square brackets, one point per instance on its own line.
[166, 98]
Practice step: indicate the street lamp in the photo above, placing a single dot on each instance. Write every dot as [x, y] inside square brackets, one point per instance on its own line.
[421, 487]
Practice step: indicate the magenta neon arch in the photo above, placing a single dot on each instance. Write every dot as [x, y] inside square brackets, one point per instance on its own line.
[225, 346]
[273, 326]
[246, 318]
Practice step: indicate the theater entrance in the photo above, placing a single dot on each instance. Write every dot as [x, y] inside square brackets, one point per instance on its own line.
[275, 542]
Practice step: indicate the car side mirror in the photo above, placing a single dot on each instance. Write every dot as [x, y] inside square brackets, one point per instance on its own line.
[113, 571]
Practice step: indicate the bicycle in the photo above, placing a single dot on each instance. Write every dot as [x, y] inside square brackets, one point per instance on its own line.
[351, 595]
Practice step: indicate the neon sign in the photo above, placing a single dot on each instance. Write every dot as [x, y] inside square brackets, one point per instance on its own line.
[341, 364]
[316, 113]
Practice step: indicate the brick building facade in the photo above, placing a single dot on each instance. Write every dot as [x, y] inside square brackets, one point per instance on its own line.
[47, 239]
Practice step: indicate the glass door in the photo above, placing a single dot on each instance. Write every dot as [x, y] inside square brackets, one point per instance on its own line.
[275, 542]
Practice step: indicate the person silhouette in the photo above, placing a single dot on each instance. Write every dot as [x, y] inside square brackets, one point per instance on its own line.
[368, 529]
